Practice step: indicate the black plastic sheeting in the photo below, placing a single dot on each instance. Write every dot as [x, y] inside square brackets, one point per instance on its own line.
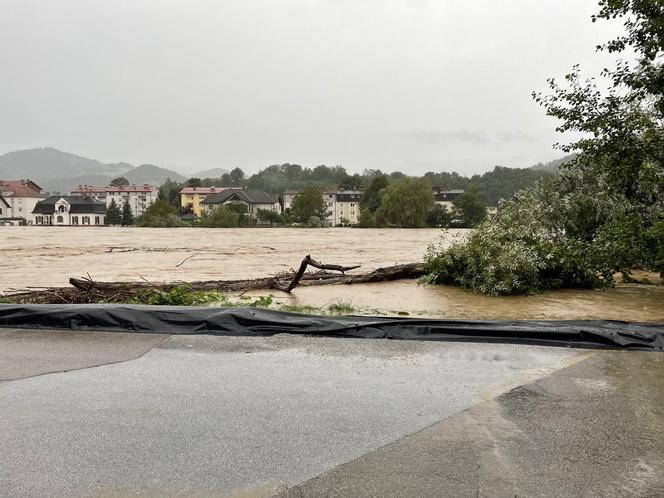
[258, 322]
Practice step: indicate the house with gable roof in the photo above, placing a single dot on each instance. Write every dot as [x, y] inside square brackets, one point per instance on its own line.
[70, 210]
[254, 199]
[22, 196]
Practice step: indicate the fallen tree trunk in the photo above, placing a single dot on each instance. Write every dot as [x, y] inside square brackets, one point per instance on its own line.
[309, 261]
[86, 290]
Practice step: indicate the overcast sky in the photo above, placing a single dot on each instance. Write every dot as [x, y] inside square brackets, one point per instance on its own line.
[410, 85]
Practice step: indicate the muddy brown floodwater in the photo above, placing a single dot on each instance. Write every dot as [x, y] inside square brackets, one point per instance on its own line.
[48, 256]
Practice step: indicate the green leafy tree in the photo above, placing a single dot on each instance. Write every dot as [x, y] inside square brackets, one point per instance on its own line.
[366, 219]
[170, 192]
[113, 214]
[127, 214]
[194, 182]
[308, 204]
[267, 216]
[220, 217]
[242, 211]
[237, 177]
[439, 217]
[351, 182]
[161, 214]
[371, 197]
[406, 203]
[120, 181]
[472, 206]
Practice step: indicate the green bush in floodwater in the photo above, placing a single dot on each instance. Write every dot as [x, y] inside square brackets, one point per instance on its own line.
[176, 296]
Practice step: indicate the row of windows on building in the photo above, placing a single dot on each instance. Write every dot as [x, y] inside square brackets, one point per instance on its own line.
[75, 220]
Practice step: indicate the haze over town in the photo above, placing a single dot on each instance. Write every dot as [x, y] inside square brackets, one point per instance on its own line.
[412, 86]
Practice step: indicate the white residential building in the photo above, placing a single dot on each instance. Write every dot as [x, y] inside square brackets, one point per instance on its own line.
[139, 197]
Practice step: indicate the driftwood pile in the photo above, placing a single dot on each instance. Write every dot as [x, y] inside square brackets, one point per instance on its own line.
[87, 290]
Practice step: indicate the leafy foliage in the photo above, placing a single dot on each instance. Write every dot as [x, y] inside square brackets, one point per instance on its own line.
[161, 214]
[472, 206]
[220, 217]
[439, 217]
[120, 181]
[267, 216]
[366, 219]
[406, 203]
[308, 204]
[176, 296]
[372, 196]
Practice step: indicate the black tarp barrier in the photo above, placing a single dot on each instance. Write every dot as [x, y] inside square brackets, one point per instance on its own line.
[259, 322]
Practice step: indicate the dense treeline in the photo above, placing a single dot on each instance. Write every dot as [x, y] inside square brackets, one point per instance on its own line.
[500, 183]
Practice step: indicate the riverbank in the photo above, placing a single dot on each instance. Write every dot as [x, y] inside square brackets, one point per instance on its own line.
[49, 256]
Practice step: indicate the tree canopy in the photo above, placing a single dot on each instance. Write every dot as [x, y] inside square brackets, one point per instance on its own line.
[472, 206]
[161, 214]
[372, 196]
[406, 203]
[127, 214]
[120, 181]
[220, 217]
[308, 204]
[113, 214]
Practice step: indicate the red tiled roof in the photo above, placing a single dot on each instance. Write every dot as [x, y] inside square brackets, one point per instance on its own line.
[88, 189]
[20, 188]
[202, 190]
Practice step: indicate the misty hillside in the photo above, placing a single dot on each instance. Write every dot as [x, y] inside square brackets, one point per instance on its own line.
[154, 175]
[46, 163]
[57, 171]
[553, 166]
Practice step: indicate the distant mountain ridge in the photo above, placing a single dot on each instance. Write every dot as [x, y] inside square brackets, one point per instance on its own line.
[58, 171]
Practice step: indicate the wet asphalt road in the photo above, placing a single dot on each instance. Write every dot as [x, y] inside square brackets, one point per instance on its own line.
[99, 414]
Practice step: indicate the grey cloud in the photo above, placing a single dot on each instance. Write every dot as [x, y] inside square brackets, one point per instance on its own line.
[199, 84]
[516, 136]
[441, 137]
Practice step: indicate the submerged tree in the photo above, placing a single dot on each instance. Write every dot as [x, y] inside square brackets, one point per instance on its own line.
[308, 204]
[127, 214]
[161, 214]
[371, 198]
[406, 203]
[472, 206]
[220, 217]
[113, 214]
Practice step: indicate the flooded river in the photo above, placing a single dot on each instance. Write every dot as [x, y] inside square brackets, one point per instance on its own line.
[48, 256]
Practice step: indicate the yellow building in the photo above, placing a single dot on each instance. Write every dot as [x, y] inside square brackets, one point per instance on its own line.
[192, 197]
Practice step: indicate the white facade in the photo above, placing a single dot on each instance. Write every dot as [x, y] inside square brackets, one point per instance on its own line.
[21, 207]
[65, 213]
[330, 199]
[140, 198]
